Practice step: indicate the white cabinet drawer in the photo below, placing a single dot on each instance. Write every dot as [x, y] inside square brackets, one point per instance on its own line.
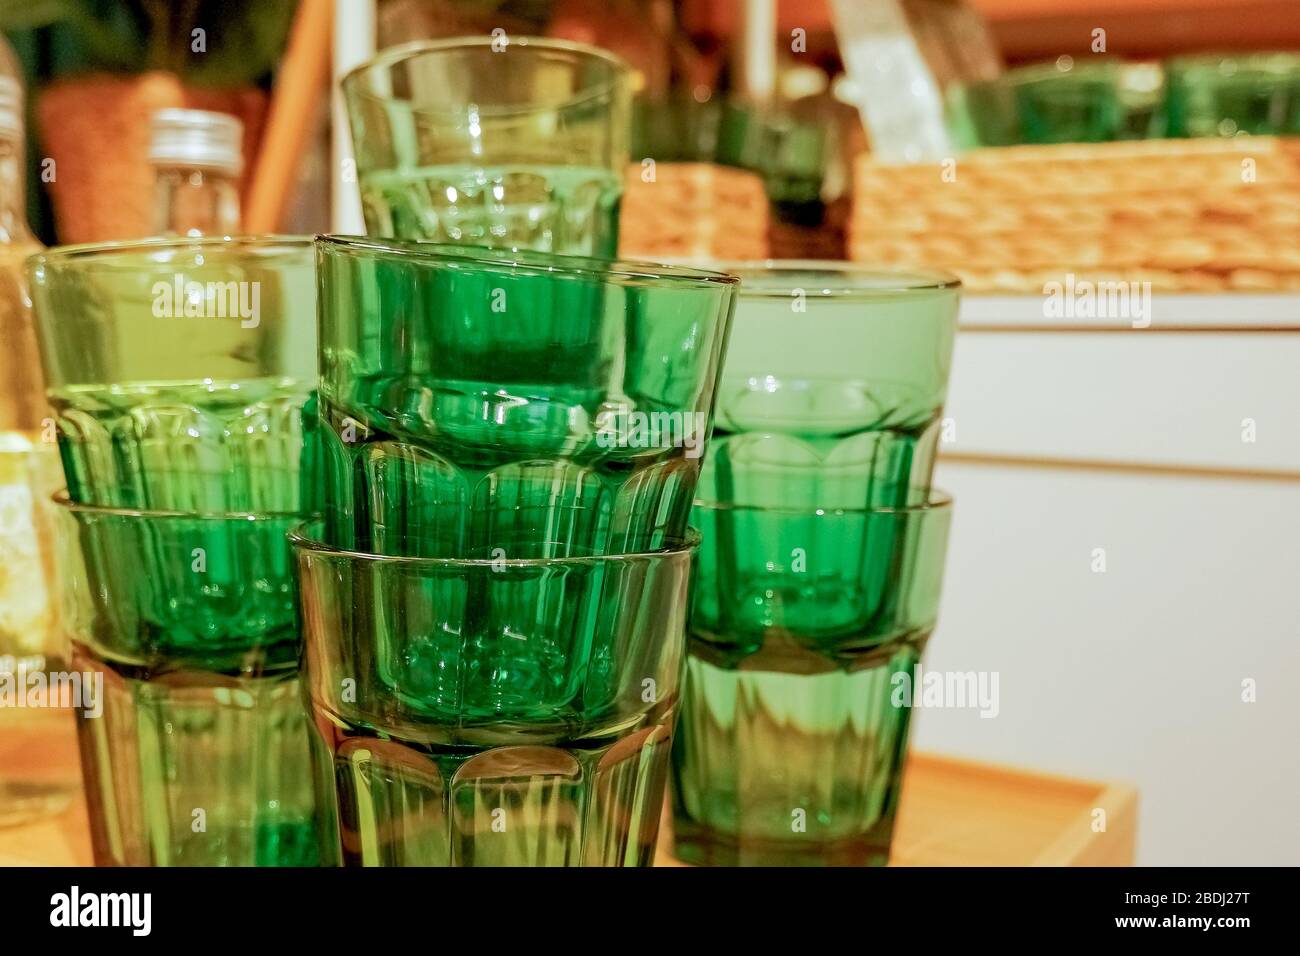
[1223, 400]
[1133, 673]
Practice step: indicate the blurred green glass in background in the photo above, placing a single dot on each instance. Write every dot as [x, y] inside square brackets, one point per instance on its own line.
[1232, 94]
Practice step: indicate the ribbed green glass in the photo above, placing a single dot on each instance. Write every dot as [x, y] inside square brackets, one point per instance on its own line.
[476, 403]
[200, 756]
[512, 142]
[819, 575]
[832, 387]
[791, 741]
[481, 712]
[177, 369]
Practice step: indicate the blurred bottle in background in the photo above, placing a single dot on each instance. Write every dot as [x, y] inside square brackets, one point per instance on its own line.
[197, 158]
[39, 769]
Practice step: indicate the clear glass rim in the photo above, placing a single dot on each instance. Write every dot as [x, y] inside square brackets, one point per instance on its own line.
[390, 57]
[894, 282]
[106, 252]
[620, 271]
[65, 502]
[303, 541]
[1279, 62]
[1079, 68]
[938, 501]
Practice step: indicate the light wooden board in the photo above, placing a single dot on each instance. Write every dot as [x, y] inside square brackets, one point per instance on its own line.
[57, 841]
[961, 813]
[954, 813]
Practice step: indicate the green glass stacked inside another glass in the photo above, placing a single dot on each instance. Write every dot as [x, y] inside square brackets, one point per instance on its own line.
[818, 580]
[177, 370]
[480, 403]
[506, 448]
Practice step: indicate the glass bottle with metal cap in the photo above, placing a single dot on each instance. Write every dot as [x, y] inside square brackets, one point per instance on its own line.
[198, 158]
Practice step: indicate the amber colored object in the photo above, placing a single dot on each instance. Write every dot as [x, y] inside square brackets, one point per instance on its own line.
[96, 130]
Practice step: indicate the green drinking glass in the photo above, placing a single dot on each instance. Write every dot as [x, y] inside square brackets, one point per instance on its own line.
[832, 388]
[195, 749]
[514, 143]
[1229, 95]
[493, 712]
[793, 734]
[483, 403]
[178, 369]
[1062, 102]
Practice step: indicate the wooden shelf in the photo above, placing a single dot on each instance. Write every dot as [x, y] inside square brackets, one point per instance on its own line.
[1040, 29]
[57, 841]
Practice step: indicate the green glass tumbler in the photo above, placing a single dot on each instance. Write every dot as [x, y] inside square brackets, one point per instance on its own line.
[793, 734]
[483, 403]
[493, 712]
[1063, 102]
[507, 142]
[1230, 95]
[832, 388]
[194, 738]
[178, 369]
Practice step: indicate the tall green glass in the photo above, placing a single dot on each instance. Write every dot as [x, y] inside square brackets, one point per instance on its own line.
[819, 575]
[196, 752]
[480, 403]
[493, 712]
[177, 369]
[833, 387]
[804, 623]
[510, 142]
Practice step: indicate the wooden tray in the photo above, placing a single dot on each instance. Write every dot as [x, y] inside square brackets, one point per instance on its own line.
[962, 813]
[954, 813]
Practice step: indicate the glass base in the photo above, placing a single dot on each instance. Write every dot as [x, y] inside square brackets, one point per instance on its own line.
[790, 767]
[186, 767]
[702, 846]
[570, 802]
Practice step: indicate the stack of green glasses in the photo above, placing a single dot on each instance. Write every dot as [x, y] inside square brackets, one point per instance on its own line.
[817, 584]
[507, 447]
[177, 371]
[504, 454]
